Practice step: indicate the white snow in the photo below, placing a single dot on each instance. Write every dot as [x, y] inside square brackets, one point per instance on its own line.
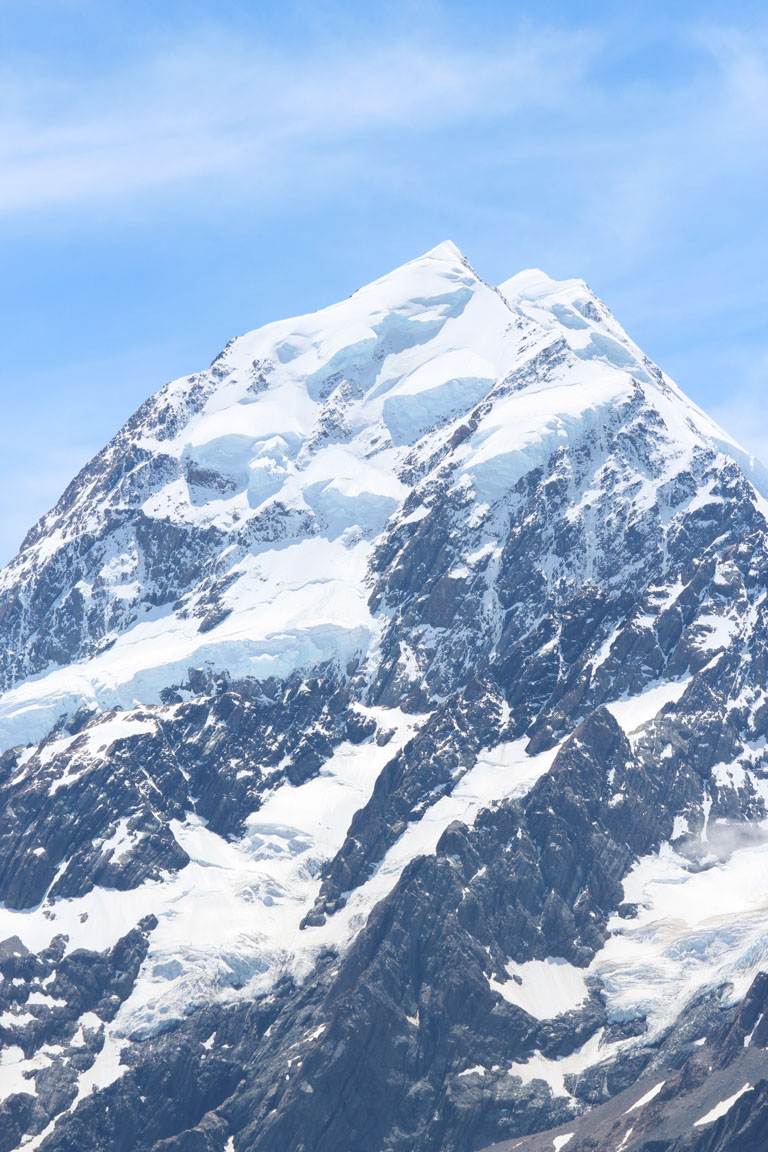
[522, 430]
[19, 1018]
[103, 735]
[232, 916]
[554, 1072]
[729, 775]
[350, 396]
[475, 1070]
[706, 807]
[625, 1139]
[120, 843]
[13, 1067]
[748, 1038]
[415, 348]
[560, 1142]
[105, 1069]
[294, 606]
[569, 309]
[447, 385]
[697, 928]
[632, 712]
[715, 632]
[50, 750]
[679, 827]
[722, 1108]
[503, 772]
[543, 988]
[36, 997]
[646, 1099]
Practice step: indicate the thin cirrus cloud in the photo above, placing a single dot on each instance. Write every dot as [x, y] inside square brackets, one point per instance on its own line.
[672, 153]
[228, 109]
[632, 158]
[742, 409]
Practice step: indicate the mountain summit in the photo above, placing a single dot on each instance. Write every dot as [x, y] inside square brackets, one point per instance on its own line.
[383, 749]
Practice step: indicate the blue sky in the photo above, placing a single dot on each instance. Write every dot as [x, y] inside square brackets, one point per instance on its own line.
[174, 174]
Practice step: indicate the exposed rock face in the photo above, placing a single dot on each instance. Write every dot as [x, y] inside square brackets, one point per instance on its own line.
[383, 750]
[713, 1099]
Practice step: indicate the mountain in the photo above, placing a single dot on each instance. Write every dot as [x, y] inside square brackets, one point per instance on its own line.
[383, 750]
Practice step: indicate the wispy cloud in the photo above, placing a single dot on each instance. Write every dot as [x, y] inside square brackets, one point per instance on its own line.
[242, 113]
[742, 408]
[224, 109]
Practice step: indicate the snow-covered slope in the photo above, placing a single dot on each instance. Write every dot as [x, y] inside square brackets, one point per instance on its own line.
[231, 523]
[391, 691]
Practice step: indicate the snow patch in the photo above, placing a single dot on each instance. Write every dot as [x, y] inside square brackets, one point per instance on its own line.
[230, 919]
[646, 1099]
[543, 988]
[500, 773]
[293, 607]
[722, 1108]
[554, 1072]
[633, 712]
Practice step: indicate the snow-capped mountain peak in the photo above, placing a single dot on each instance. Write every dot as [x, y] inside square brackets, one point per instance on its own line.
[385, 671]
[289, 456]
